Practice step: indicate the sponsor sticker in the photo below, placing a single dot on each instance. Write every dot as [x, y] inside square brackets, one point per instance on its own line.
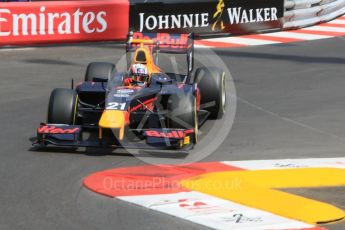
[208, 17]
[125, 91]
[40, 22]
[241, 218]
[52, 129]
[121, 95]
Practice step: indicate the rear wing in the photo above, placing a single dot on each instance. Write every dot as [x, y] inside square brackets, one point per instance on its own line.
[164, 43]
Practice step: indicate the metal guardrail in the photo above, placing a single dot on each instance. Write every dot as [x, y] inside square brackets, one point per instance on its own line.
[303, 13]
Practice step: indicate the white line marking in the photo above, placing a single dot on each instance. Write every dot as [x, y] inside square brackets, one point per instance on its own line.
[16, 49]
[337, 21]
[289, 163]
[243, 41]
[214, 212]
[297, 35]
[202, 46]
[326, 29]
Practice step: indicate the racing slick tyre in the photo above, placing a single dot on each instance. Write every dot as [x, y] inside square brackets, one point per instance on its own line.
[62, 107]
[99, 70]
[211, 83]
[183, 113]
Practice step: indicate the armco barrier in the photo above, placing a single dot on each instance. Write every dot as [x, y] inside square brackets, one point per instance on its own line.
[63, 22]
[302, 13]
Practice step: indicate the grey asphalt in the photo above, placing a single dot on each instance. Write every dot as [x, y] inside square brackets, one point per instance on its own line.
[290, 105]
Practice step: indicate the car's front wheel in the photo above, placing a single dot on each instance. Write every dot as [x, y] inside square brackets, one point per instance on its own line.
[183, 113]
[62, 107]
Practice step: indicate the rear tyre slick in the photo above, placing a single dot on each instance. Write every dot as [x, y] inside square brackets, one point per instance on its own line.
[99, 70]
[62, 107]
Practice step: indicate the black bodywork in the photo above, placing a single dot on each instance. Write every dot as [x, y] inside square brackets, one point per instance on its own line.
[148, 121]
[165, 114]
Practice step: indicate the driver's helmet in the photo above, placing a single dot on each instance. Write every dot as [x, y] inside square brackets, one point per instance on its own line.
[140, 73]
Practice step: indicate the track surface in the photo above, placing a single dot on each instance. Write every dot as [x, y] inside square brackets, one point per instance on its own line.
[291, 104]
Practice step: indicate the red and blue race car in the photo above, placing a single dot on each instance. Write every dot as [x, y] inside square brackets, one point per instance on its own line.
[142, 108]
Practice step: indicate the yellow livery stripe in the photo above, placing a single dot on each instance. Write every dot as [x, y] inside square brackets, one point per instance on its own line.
[114, 119]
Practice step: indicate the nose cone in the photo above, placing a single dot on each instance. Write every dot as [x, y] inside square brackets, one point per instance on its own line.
[114, 119]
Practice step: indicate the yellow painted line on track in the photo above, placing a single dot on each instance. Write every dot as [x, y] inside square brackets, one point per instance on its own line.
[256, 189]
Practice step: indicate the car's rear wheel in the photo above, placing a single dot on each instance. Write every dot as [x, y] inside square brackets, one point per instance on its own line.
[99, 71]
[62, 107]
[211, 83]
[183, 113]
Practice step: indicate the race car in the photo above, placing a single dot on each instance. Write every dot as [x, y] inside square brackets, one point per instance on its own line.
[143, 107]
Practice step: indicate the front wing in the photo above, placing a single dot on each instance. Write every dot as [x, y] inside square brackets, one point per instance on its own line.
[155, 139]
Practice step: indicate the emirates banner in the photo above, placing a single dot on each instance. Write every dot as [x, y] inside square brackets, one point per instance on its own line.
[65, 21]
[206, 16]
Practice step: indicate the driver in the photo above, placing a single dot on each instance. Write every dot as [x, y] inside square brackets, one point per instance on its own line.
[138, 75]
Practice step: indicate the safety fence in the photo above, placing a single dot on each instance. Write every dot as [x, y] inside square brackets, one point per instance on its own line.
[302, 13]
